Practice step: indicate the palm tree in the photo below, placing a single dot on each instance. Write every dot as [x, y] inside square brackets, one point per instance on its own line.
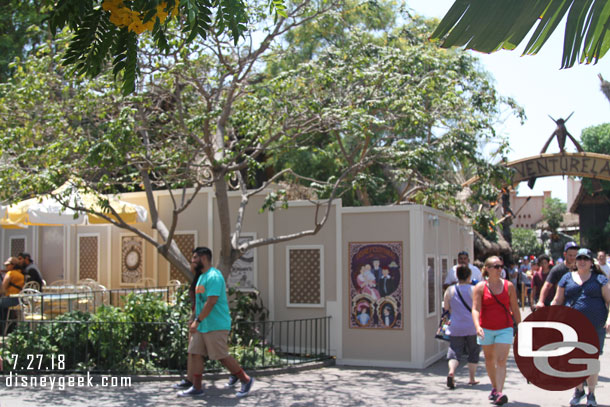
[490, 25]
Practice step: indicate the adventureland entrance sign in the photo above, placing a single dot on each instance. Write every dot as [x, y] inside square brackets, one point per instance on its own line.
[586, 165]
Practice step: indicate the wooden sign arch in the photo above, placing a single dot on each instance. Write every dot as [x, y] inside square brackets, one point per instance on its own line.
[586, 165]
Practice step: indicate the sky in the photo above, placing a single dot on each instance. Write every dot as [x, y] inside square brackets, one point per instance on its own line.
[541, 88]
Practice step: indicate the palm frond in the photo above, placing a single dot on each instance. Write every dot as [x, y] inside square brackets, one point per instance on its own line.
[490, 25]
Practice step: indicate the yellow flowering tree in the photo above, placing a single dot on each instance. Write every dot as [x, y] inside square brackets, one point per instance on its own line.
[107, 31]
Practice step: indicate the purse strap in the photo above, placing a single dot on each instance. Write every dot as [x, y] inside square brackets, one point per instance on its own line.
[500, 302]
[462, 298]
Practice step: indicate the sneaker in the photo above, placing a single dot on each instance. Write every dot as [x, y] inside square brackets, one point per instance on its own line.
[191, 392]
[245, 388]
[232, 381]
[493, 395]
[500, 399]
[578, 395]
[591, 400]
[184, 384]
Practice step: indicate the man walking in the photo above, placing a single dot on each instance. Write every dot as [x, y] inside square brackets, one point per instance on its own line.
[603, 263]
[550, 285]
[538, 280]
[463, 259]
[210, 329]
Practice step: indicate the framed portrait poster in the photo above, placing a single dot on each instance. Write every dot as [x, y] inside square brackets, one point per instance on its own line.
[375, 285]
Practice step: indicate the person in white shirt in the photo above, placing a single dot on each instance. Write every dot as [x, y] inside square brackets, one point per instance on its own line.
[602, 260]
[463, 260]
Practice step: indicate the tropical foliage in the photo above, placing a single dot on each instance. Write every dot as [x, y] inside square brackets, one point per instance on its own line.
[109, 31]
[20, 31]
[490, 25]
[596, 139]
[374, 113]
[552, 213]
[424, 140]
[525, 242]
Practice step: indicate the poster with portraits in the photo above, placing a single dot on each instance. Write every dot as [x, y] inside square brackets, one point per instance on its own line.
[375, 285]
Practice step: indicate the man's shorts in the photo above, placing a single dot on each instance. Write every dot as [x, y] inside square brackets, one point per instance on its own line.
[496, 336]
[212, 344]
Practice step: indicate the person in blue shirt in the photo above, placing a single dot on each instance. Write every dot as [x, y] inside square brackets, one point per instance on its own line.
[586, 290]
[210, 329]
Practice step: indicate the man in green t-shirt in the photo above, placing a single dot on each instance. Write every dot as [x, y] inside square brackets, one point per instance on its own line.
[210, 329]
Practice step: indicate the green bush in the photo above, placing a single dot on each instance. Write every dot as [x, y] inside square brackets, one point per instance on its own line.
[147, 335]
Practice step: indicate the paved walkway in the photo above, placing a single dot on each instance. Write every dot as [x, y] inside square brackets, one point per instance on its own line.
[327, 386]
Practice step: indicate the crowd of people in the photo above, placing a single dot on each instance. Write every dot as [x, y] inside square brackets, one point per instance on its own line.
[485, 310]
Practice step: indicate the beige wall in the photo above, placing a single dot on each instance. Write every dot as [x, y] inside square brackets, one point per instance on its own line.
[422, 231]
[445, 236]
[52, 253]
[380, 345]
[193, 220]
[295, 219]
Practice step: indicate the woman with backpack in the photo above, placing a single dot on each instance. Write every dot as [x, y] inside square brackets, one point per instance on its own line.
[462, 333]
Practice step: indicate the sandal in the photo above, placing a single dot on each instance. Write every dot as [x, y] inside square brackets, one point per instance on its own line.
[473, 383]
[450, 382]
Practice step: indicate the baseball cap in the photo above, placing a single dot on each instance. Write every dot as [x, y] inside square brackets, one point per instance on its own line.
[11, 260]
[584, 253]
[570, 245]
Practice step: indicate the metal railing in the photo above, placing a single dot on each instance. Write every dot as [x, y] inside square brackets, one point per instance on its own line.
[50, 304]
[55, 346]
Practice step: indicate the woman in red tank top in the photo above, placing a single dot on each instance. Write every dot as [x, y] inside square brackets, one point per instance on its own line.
[493, 308]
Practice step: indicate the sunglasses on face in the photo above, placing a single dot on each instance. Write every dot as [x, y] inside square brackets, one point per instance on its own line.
[582, 258]
[496, 266]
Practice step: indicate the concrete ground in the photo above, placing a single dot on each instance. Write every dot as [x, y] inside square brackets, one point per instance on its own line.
[324, 386]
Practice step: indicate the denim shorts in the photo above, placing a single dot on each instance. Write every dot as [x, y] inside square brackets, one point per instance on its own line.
[496, 336]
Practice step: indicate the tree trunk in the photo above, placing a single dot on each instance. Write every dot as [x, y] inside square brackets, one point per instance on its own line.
[227, 254]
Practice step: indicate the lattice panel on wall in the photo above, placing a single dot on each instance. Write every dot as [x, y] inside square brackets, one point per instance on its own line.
[186, 244]
[17, 246]
[87, 257]
[305, 276]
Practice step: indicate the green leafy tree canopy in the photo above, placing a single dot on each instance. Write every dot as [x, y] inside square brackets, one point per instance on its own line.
[553, 212]
[525, 242]
[109, 30]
